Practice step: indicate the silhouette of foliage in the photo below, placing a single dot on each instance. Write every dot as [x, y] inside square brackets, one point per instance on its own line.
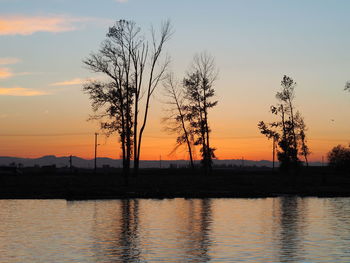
[304, 148]
[114, 97]
[198, 86]
[289, 130]
[176, 120]
[112, 106]
[339, 157]
[131, 64]
[347, 86]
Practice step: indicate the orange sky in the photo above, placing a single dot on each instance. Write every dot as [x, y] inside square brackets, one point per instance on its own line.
[252, 148]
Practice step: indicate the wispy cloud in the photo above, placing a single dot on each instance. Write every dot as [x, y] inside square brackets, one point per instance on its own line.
[8, 61]
[26, 73]
[121, 1]
[5, 73]
[27, 25]
[76, 81]
[19, 91]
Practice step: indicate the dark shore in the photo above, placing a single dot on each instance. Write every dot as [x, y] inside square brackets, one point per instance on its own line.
[172, 183]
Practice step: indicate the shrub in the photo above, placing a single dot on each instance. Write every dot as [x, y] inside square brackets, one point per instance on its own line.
[339, 157]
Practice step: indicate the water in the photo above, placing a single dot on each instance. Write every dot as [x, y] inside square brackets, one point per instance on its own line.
[286, 229]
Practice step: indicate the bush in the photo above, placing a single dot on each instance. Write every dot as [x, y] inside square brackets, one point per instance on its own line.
[339, 157]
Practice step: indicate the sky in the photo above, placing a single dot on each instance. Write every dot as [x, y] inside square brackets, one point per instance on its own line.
[43, 110]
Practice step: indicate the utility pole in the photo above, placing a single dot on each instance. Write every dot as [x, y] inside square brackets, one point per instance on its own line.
[95, 166]
[273, 152]
[160, 161]
[70, 162]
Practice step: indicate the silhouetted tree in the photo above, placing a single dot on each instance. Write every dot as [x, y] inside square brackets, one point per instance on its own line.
[150, 60]
[112, 99]
[339, 157]
[289, 130]
[198, 86]
[176, 120]
[304, 148]
[132, 67]
[347, 86]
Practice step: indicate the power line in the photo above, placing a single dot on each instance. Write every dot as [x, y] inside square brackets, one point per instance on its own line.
[45, 134]
[157, 137]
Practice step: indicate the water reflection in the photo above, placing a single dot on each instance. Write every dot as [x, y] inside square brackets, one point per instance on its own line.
[182, 226]
[197, 236]
[128, 236]
[339, 221]
[287, 229]
[116, 232]
[291, 221]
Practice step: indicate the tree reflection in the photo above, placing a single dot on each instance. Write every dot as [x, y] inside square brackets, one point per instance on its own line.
[116, 232]
[198, 226]
[291, 217]
[129, 235]
[118, 238]
[339, 218]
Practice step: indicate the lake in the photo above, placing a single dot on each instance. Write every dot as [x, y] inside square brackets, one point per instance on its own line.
[285, 229]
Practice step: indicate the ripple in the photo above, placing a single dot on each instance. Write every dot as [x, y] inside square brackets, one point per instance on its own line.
[286, 229]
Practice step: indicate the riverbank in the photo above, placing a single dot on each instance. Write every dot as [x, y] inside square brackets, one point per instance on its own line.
[172, 183]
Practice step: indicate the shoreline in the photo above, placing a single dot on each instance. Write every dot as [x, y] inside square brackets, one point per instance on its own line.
[157, 196]
[174, 183]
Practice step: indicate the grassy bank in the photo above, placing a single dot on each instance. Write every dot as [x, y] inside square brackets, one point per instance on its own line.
[171, 183]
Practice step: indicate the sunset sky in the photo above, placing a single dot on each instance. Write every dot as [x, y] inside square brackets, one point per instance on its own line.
[43, 110]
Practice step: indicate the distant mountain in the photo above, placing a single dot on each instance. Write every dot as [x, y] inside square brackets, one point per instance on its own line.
[87, 163]
[59, 161]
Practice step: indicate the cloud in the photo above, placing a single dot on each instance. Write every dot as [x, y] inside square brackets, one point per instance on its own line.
[5, 73]
[26, 73]
[27, 25]
[19, 91]
[76, 81]
[121, 1]
[8, 61]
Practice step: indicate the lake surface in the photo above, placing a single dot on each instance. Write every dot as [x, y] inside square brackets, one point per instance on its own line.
[286, 229]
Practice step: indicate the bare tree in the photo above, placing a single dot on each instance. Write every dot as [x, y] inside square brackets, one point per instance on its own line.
[304, 148]
[199, 90]
[286, 97]
[114, 97]
[289, 130]
[127, 59]
[176, 120]
[155, 75]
